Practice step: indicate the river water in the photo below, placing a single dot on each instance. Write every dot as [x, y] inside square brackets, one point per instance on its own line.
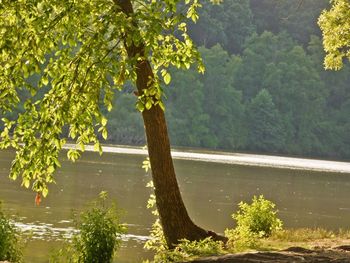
[308, 193]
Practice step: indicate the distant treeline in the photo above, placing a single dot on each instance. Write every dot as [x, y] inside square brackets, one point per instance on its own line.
[264, 89]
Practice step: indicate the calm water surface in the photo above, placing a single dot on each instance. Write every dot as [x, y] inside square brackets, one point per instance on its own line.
[210, 190]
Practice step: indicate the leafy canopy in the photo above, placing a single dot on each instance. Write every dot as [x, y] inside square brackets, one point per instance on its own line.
[335, 26]
[77, 52]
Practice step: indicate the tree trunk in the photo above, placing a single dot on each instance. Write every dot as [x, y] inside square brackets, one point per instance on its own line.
[174, 218]
[173, 214]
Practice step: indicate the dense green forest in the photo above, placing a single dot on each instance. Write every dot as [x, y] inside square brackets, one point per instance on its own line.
[264, 90]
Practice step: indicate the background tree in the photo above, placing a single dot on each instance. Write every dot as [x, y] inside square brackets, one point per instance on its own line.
[211, 114]
[222, 102]
[276, 63]
[298, 18]
[264, 123]
[260, 51]
[215, 25]
[125, 123]
[188, 123]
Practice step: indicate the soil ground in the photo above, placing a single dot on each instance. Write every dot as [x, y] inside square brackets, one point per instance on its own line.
[321, 251]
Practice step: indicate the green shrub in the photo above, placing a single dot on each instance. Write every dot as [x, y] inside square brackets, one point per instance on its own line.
[205, 247]
[260, 217]
[241, 239]
[157, 241]
[98, 238]
[10, 248]
[188, 250]
[254, 221]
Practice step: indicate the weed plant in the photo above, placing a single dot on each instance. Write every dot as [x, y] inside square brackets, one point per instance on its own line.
[10, 246]
[254, 221]
[98, 238]
[186, 250]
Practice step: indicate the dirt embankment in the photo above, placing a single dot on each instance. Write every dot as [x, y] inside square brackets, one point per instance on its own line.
[339, 254]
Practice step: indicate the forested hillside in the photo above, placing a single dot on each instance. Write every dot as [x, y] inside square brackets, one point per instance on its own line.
[264, 90]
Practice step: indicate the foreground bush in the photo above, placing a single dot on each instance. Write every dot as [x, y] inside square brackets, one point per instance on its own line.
[10, 248]
[99, 236]
[254, 221]
[260, 217]
[188, 250]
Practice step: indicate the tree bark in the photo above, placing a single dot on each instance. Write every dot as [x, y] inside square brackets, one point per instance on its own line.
[173, 215]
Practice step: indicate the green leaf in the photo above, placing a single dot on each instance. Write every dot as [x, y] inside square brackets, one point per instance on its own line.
[50, 169]
[104, 134]
[104, 121]
[161, 105]
[140, 106]
[82, 146]
[71, 42]
[167, 78]
[57, 163]
[98, 147]
[148, 104]
[26, 182]
[45, 80]
[45, 191]
[73, 155]
[146, 164]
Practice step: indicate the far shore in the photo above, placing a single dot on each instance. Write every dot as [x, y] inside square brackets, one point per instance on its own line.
[235, 158]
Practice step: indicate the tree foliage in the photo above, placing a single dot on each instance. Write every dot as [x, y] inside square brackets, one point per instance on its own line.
[298, 18]
[215, 25]
[78, 52]
[265, 124]
[335, 26]
[193, 129]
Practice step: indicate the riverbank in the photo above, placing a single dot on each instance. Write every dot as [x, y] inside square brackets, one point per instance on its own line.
[339, 254]
[298, 245]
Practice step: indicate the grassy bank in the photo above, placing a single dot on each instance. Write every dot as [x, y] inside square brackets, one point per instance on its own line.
[317, 242]
[306, 238]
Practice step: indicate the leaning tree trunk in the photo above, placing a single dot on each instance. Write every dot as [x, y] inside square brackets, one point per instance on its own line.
[173, 214]
[174, 218]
